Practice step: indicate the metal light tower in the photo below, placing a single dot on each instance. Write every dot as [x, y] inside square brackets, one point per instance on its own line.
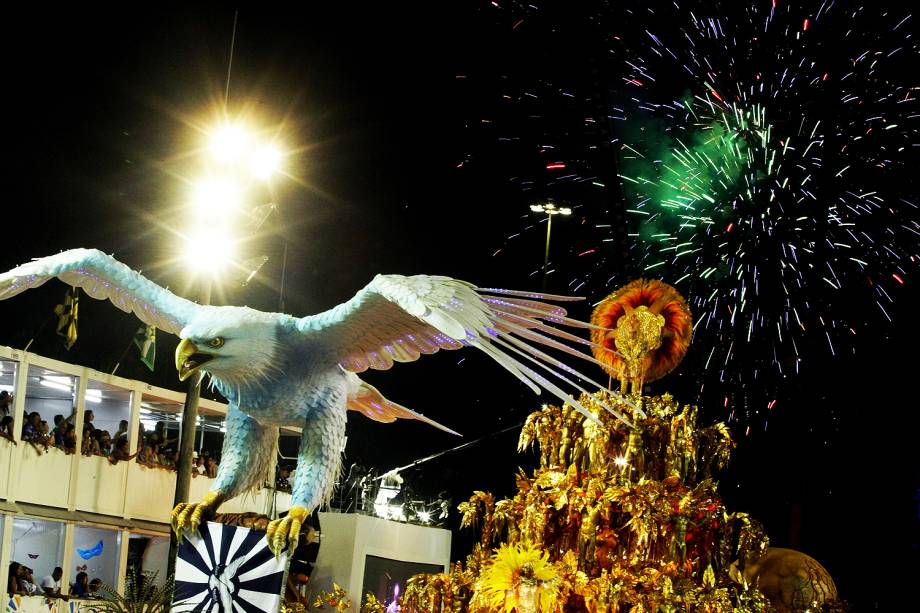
[218, 202]
[549, 209]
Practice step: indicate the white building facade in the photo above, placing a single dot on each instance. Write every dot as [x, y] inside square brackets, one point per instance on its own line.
[85, 512]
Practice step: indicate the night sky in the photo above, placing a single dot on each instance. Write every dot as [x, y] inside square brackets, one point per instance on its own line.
[418, 135]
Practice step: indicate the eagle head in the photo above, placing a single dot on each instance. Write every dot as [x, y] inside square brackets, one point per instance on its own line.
[236, 345]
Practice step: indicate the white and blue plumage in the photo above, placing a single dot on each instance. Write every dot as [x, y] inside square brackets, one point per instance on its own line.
[278, 370]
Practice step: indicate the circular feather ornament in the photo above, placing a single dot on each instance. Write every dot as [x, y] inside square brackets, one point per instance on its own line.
[649, 328]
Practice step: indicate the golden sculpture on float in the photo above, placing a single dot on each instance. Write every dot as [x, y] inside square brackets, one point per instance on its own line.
[621, 517]
[650, 331]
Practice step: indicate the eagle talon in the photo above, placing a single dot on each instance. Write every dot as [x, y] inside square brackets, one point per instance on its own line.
[189, 515]
[286, 531]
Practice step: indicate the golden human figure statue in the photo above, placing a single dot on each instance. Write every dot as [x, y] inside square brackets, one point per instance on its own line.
[637, 335]
[645, 328]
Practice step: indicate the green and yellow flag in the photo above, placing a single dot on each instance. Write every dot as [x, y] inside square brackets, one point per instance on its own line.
[67, 316]
[146, 341]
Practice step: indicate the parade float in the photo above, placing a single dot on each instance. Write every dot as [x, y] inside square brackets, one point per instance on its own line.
[622, 516]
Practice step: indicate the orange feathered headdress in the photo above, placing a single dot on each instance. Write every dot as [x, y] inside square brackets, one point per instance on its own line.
[660, 299]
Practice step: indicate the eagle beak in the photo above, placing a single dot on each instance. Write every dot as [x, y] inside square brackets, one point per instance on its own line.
[188, 359]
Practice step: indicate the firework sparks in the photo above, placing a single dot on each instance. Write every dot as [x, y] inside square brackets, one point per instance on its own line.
[753, 199]
[762, 153]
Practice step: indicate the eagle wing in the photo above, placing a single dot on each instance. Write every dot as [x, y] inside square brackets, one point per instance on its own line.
[368, 400]
[103, 277]
[398, 319]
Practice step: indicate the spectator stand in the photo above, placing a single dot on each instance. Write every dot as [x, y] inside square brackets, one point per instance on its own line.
[100, 498]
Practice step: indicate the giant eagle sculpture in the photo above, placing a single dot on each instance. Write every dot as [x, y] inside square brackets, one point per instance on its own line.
[279, 370]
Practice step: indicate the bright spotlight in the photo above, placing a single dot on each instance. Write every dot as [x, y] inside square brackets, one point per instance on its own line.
[209, 250]
[550, 209]
[265, 162]
[217, 196]
[228, 143]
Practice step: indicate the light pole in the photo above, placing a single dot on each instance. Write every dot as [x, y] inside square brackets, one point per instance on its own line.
[273, 211]
[187, 442]
[550, 209]
[217, 204]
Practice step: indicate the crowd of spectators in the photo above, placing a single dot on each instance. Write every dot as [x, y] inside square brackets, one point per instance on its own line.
[204, 464]
[155, 450]
[21, 582]
[63, 436]
[161, 451]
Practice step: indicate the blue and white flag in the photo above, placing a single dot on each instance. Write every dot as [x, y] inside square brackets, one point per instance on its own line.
[228, 569]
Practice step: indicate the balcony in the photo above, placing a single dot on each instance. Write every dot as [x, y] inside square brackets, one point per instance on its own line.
[62, 506]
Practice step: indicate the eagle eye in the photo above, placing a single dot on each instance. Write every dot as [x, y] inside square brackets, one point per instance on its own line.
[217, 342]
